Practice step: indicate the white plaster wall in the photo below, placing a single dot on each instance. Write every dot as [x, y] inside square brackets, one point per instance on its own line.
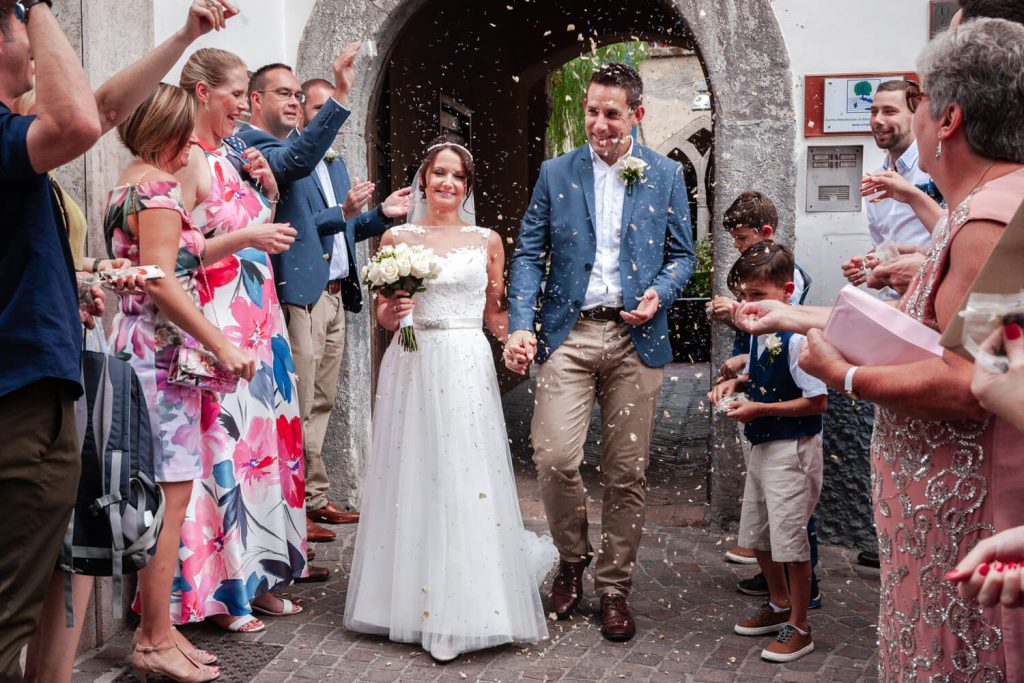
[265, 31]
[840, 36]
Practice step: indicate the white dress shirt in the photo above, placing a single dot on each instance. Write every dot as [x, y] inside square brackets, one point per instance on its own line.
[893, 220]
[605, 285]
[339, 257]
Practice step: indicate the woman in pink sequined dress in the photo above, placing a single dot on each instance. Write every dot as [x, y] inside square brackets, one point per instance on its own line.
[945, 473]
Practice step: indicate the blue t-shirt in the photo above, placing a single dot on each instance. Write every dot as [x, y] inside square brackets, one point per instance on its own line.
[40, 332]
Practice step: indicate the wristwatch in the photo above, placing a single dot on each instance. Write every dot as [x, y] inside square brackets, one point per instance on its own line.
[848, 383]
[23, 7]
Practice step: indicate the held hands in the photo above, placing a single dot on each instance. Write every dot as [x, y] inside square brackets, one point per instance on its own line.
[397, 203]
[207, 15]
[1003, 394]
[520, 350]
[345, 71]
[645, 310]
[357, 197]
[272, 238]
[991, 572]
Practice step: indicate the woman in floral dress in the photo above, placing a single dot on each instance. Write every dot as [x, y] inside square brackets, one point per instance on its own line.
[145, 223]
[245, 534]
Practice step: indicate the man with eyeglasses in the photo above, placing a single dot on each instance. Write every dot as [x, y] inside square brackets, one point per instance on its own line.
[316, 278]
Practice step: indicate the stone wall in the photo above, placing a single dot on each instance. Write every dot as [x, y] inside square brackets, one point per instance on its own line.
[844, 513]
[105, 47]
[754, 146]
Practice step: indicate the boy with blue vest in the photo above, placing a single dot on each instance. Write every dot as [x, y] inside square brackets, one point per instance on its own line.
[752, 219]
[781, 414]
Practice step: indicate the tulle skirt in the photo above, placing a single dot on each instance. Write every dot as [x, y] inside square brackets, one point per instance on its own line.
[441, 556]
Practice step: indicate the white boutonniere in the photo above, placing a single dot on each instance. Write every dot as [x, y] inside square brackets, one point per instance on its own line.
[773, 345]
[632, 171]
[331, 155]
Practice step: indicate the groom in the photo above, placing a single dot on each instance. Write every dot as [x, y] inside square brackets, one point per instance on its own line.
[614, 220]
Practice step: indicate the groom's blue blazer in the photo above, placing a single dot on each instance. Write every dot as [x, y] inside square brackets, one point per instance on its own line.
[656, 251]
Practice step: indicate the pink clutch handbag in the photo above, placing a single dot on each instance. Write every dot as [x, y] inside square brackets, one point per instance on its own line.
[868, 331]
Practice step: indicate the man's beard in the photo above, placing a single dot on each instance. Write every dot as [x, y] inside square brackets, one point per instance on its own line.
[893, 140]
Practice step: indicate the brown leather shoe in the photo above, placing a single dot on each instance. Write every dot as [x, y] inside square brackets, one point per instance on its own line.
[316, 574]
[567, 587]
[332, 514]
[616, 622]
[318, 534]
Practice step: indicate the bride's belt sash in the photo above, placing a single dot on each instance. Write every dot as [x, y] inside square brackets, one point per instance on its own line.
[448, 323]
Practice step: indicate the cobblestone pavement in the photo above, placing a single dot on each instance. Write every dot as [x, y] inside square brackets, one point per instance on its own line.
[684, 600]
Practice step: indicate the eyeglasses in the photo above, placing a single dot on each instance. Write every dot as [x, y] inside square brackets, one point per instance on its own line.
[914, 95]
[19, 13]
[286, 94]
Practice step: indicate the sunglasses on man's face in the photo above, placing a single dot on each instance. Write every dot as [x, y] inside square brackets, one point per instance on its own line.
[914, 95]
[20, 13]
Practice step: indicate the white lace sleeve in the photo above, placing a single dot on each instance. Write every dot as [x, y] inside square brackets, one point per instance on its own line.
[407, 227]
[483, 232]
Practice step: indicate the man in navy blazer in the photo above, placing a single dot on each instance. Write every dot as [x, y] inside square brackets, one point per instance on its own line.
[316, 278]
[608, 235]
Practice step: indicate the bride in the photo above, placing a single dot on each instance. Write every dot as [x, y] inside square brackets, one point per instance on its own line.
[441, 556]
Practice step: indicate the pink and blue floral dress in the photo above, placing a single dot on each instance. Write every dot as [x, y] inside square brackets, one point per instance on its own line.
[245, 527]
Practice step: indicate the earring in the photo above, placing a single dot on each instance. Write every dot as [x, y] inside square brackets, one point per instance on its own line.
[938, 151]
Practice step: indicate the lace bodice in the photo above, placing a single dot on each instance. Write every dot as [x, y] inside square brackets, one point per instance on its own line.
[459, 291]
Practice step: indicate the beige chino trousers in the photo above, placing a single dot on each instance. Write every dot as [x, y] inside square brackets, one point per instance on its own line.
[596, 362]
[318, 342]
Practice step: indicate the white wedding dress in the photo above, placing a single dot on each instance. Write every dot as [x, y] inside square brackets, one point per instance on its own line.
[441, 555]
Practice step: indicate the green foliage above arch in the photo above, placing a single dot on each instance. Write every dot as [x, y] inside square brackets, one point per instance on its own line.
[569, 86]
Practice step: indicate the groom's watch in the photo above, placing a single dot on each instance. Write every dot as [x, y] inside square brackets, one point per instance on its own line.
[848, 383]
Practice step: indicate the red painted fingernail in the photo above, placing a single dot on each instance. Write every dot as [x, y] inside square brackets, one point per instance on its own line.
[998, 566]
[1012, 331]
[1012, 565]
[951, 575]
[983, 569]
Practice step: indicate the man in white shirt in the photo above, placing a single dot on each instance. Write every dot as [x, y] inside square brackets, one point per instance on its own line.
[890, 220]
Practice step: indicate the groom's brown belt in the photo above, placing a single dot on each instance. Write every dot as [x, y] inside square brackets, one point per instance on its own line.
[603, 313]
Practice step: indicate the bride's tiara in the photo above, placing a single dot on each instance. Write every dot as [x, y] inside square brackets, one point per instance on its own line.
[449, 144]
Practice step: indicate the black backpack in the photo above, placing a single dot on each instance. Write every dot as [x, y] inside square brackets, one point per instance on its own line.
[119, 510]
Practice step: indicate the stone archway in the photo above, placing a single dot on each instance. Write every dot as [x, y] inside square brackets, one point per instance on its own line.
[754, 136]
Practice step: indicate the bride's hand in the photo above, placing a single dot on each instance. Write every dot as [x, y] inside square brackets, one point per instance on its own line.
[519, 351]
[397, 306]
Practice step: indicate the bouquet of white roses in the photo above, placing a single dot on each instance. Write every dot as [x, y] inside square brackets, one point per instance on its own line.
[402, 267]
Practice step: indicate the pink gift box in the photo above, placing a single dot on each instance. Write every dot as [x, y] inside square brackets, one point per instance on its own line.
[868, 331]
